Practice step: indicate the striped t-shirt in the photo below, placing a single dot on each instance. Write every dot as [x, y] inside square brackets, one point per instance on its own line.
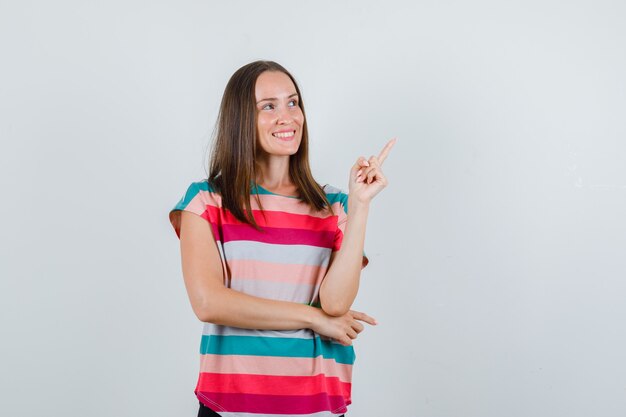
[246, 372]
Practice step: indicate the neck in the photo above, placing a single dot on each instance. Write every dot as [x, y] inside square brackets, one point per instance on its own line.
[273, 171]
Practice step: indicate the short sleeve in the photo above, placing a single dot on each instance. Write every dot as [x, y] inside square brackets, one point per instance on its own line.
[342, 217]
[198, 199]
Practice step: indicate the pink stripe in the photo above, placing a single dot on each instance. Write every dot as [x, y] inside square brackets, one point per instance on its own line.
[279, 236]
[213, 199]
[274, 404]
[196, 206]
[266, 271]
[284, 219]
[273, 365]
[290, 205]
[273, 203]
[273, 385]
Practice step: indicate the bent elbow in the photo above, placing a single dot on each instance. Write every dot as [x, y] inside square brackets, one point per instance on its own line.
[204, 317]
[333, 306]
[334, 309]
[203, 314]
[208, 306]
[206, 312]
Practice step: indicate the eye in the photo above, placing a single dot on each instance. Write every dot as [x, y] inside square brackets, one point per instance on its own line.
[295, 103]
[268, 106]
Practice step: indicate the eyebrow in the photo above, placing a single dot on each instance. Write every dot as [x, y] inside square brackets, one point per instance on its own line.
[274, 98]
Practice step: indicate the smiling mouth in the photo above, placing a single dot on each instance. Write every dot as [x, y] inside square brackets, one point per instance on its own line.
[284, 135]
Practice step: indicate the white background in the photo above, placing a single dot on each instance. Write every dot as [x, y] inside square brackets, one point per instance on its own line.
[497, 251]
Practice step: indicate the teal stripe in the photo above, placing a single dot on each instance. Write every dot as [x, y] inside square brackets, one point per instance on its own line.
[256, 189]
[196, 187]
[338, 198]
[276, 346]
[191, 192]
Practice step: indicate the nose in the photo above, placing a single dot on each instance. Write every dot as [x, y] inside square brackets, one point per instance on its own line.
[284, 117]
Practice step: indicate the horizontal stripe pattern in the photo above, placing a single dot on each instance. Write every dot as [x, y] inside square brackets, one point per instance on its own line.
[275, 272]
[273, 384]
[278, 236]
[268, 218]
[264, 373]
[290, 254]
[278, 404]
[218, 329]
[283, 291]
[319, 414]
[276, 365]
[274, 346]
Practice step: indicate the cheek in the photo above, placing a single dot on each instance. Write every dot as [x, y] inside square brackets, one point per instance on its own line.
[262, 123]
[300, 117]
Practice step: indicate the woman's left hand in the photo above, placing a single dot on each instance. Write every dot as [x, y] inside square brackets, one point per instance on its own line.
[366, 176]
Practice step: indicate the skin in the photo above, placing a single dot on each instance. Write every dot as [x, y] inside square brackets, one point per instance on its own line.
[201, 263]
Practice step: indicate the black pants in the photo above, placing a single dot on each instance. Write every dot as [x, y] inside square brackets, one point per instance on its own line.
[207, 412]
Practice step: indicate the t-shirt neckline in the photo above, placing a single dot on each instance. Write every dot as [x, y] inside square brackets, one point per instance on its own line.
[273, 193]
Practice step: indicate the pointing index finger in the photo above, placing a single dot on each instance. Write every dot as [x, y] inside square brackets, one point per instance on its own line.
[363, 317]
[383, 154]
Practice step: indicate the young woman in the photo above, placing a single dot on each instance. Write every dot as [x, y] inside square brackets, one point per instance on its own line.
[271, 260]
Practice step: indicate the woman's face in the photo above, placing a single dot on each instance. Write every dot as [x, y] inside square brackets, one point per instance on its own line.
[279, 117]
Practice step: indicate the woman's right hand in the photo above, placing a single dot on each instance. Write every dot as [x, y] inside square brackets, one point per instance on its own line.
[344, 328]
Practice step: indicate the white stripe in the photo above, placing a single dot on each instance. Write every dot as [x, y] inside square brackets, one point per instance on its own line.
[217, 329]
[283, 291]
[268, 252]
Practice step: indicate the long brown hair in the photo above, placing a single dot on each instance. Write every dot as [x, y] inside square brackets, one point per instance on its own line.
[232, 169]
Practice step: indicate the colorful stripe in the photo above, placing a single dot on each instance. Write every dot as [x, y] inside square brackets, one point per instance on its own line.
[286, 220]
[276, 404]
[274, 365]
[216, 329]
[270, 271]
[271, 346]
[295, 293]
[278, 236]
[273, 384]
[281, 254]
[318, 414]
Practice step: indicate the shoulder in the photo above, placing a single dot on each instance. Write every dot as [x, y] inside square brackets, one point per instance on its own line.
[200, 190]
[202, 185]
[336, 197]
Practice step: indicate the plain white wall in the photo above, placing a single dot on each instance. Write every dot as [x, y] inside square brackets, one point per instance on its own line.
[497, 251]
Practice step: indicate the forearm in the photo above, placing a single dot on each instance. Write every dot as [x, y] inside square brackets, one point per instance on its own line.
[341, 283]
[233, 308]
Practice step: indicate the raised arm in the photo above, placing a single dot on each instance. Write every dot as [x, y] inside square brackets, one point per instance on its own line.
[341, 283]
[213, 302]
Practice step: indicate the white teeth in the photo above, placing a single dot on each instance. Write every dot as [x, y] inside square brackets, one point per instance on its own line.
[284, 134]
